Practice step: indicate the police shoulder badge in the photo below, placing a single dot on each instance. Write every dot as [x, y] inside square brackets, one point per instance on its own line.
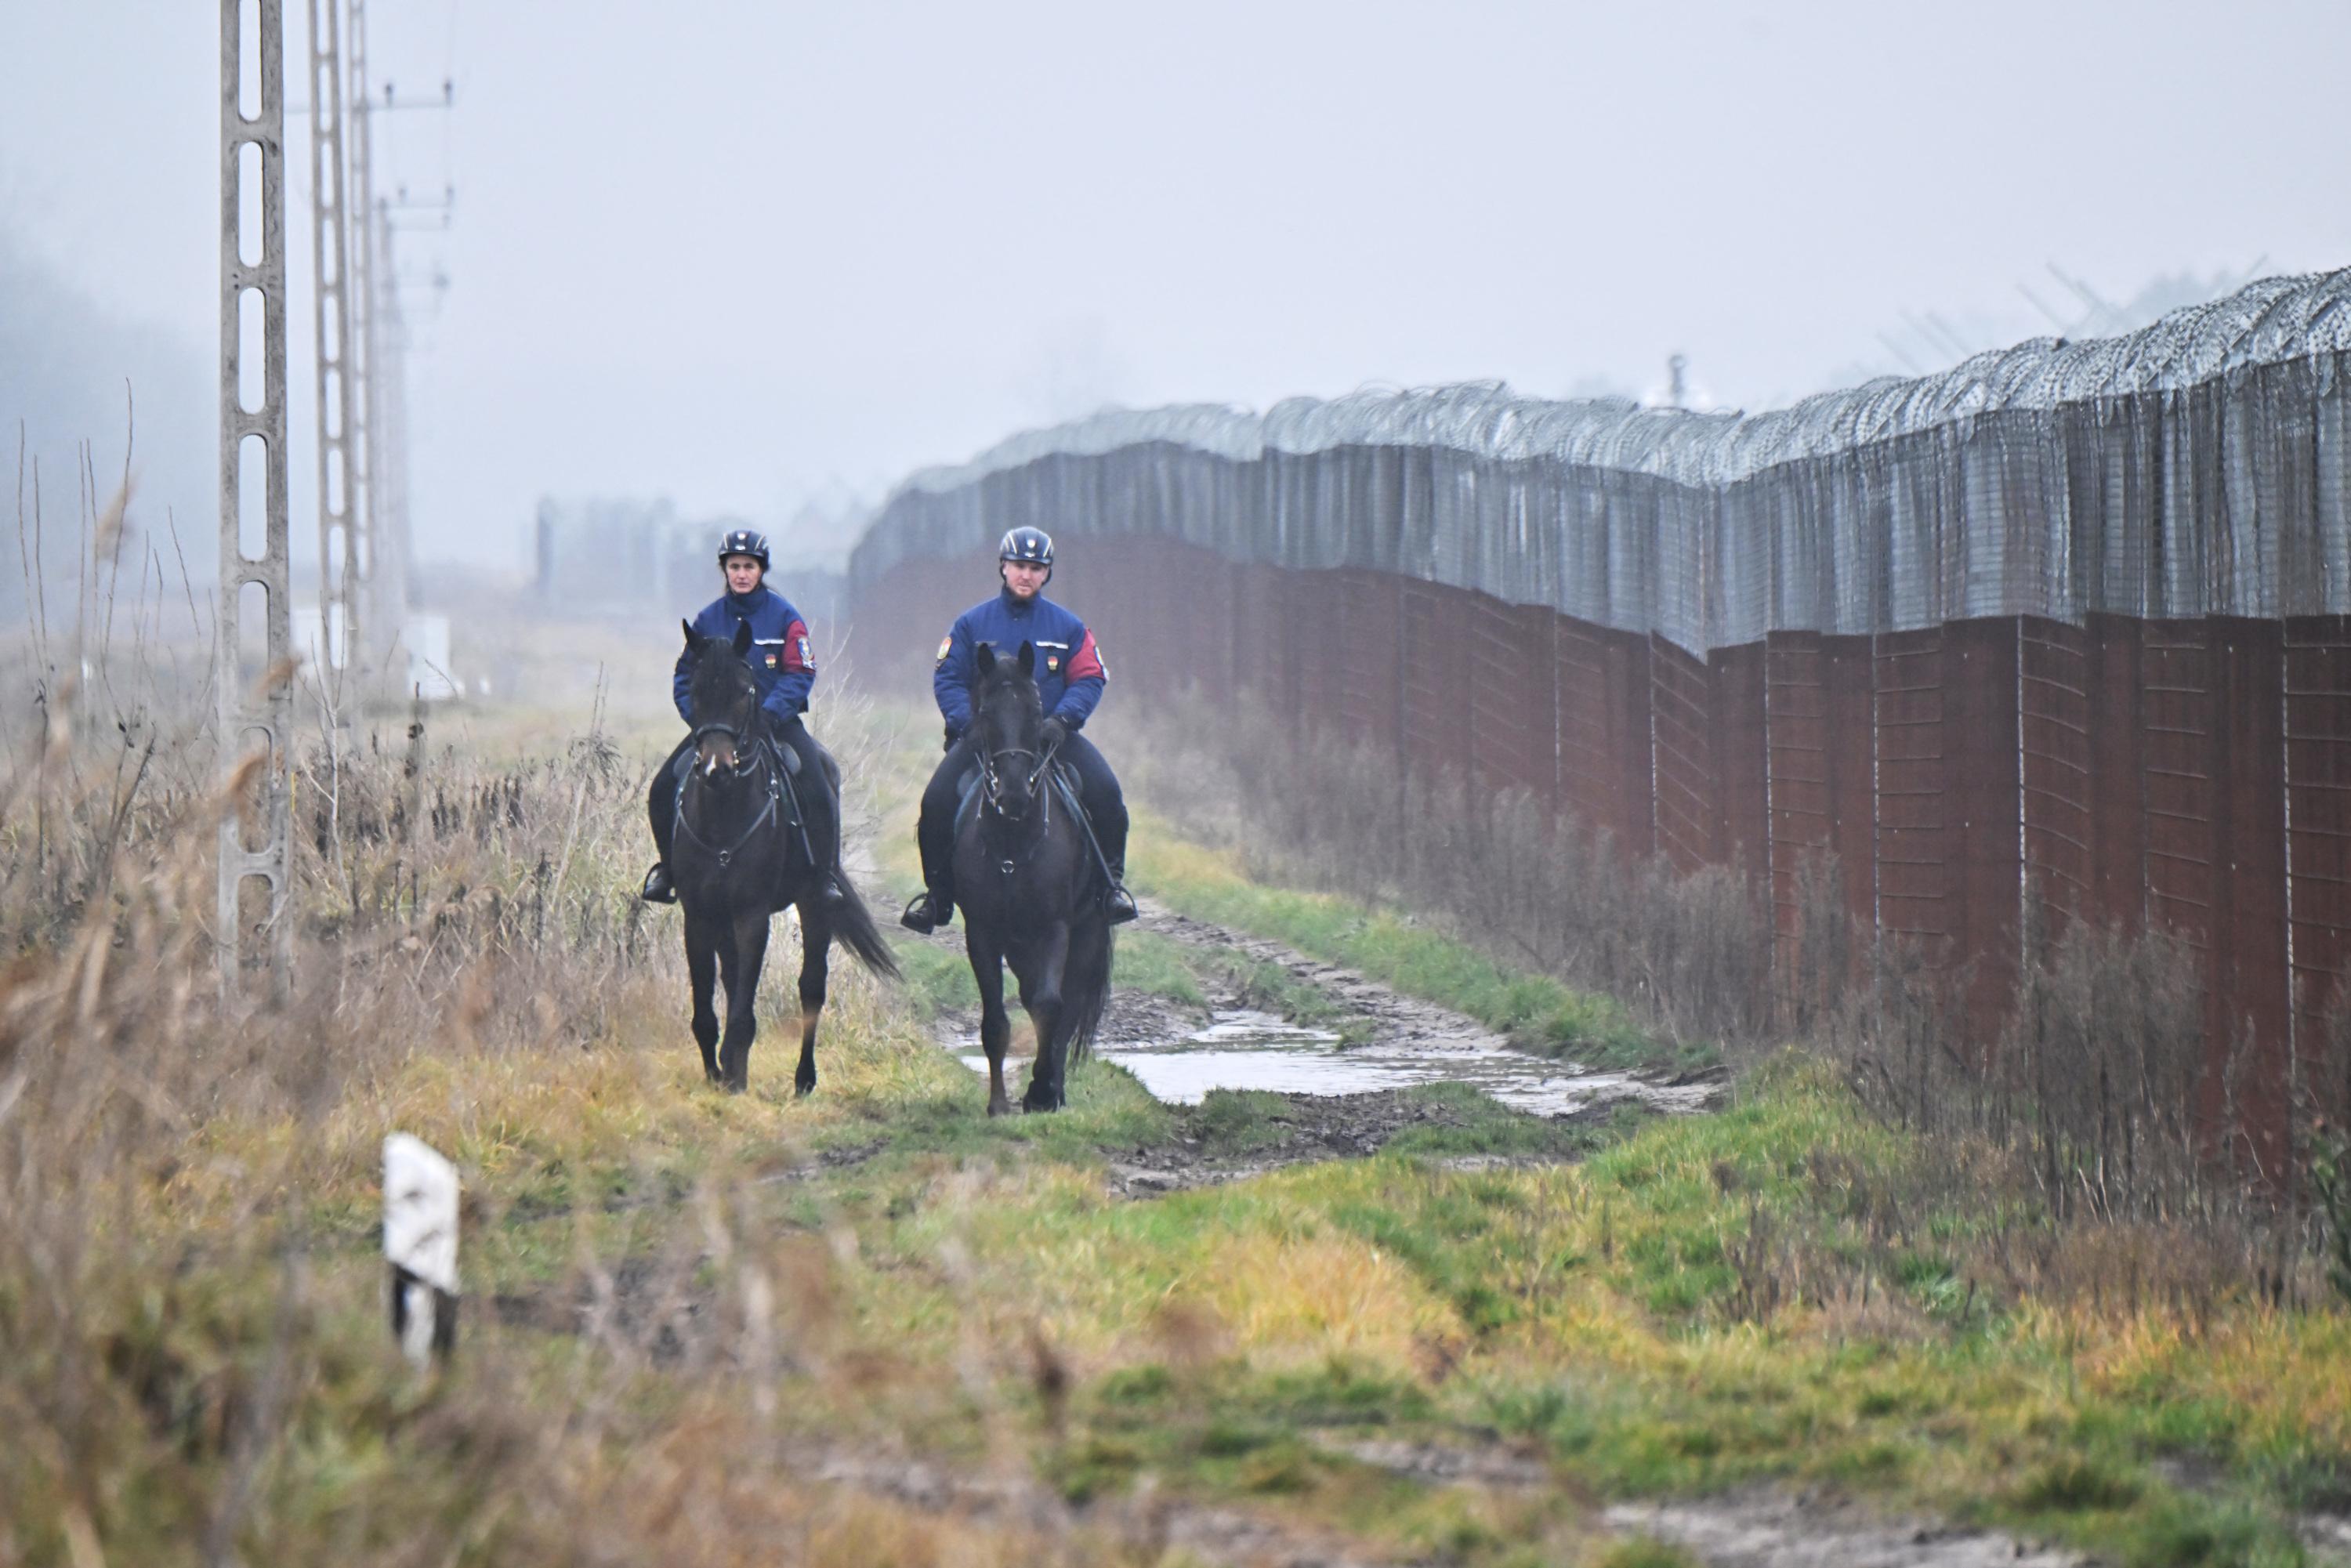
[1053, 663]
[945, 643]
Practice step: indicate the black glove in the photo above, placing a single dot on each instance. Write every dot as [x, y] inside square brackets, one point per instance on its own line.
[1051, 737]
[952, 739]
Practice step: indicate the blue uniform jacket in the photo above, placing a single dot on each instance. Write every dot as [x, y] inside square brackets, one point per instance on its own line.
[782, 660]
[1070, 672]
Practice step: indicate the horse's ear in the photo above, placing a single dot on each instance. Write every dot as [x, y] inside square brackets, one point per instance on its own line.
[1028, 658]
[742, 639]
[985, 657]
[691, 640]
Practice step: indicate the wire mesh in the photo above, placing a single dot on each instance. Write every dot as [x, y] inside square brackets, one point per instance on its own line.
[2196, 467]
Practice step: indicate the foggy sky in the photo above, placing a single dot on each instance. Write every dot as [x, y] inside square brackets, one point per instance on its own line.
[731, 253]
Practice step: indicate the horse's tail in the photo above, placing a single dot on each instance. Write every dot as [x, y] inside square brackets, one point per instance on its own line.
[1085, 995]
[853, 924]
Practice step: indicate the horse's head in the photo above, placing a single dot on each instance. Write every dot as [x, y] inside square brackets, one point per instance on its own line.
[723, 698]
[1010, 716]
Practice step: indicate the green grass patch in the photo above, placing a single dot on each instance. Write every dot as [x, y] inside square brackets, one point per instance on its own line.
[1466, 1121]
[938, 975]
[1239, 1120]
[1146, 961]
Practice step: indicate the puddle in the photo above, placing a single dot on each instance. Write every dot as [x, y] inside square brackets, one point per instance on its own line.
[1245, 1050]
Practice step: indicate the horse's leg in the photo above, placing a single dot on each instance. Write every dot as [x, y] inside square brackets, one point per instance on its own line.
[815, 951]
[1040, 994]
[701, 940]
[995, 1027]
[743, 999]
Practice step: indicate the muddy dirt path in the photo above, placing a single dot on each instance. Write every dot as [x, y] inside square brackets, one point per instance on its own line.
[1342, 1097]
[1758, 1529]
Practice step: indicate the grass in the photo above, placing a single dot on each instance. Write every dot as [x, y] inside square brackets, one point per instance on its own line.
[1536, 1012]
[1148, 961]
[677, 1297]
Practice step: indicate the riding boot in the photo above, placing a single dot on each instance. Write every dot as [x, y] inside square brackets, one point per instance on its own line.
[933, 909]
[822, 776]
[1118, 904]
[658, 888]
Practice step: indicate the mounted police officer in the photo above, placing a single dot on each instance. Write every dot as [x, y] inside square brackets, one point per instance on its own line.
[1070, 677]
[784, 665]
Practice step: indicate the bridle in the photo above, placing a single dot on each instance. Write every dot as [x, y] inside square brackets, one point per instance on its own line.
[992, 777]
[742, 752]
[991, 783]
[748, 760]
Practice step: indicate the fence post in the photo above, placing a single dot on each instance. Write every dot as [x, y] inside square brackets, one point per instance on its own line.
[420, 1247]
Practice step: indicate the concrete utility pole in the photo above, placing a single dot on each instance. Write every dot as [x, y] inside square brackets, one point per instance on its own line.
[342, 542]
[388, 400]
[381, 612]
[253, 836]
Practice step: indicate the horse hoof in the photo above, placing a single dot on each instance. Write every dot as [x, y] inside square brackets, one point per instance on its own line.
[999, 1107]
[802, 1090]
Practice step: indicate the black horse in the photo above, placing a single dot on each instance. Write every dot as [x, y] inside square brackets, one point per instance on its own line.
[738, 860]
[1025, 875]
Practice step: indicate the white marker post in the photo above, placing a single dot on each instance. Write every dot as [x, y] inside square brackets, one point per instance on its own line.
[420, 1242]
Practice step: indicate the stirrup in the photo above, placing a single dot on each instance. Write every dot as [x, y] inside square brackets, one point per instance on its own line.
[926, 914]
[658, 888]
[1118, 904]
[832, 897]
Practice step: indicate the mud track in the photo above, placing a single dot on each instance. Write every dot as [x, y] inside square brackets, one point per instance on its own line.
[1340, 1125]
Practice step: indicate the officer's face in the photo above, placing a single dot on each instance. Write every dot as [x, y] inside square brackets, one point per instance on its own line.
[1024, 577]
[742, 573]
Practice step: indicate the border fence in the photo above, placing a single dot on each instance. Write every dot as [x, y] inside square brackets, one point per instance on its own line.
[2069, 622]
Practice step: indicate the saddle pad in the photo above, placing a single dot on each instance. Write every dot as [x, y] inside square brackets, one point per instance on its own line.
[966, 800]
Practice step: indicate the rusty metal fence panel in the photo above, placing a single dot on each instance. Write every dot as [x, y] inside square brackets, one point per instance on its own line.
[1735, 679]
[1983, 724]
[2054, 746]
[2319, 813]
[1912, 848]
[1688, 804]
[1602, 687]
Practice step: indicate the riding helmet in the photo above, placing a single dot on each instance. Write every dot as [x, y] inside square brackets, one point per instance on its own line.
[744, 541]
[1033, 545]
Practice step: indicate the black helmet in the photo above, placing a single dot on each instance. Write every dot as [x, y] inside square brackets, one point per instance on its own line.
[744, 541]
[1032, 544]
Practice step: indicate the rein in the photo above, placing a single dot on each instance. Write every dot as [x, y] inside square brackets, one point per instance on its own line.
[759, 752]
[992, 779]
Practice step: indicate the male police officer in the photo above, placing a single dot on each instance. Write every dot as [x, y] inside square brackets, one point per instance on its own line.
[785, 668]
[1069, 676]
